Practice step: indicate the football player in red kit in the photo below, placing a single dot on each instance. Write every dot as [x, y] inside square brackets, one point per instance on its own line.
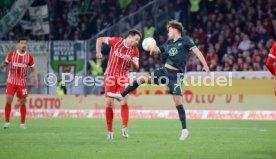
[19, 61]
[123, 54]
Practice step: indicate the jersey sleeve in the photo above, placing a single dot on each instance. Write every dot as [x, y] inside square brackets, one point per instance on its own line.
[162, 47]
[31, 61]
[190, 43]
[135, 53]
[9, 57]
[113, 40]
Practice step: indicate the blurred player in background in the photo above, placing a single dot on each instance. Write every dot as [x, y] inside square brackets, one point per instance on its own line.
[19, 61]
[123, 55]
[175, 51]
[270, 63]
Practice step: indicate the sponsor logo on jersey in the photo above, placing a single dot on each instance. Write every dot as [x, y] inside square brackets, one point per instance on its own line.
[19, 65]
[120, 55]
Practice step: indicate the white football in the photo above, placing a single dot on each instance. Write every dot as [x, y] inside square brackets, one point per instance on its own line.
[148, 44]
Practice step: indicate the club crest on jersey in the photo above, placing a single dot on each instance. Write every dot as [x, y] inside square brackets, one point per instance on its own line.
[120, 55]
[19, 65]
[173, 51]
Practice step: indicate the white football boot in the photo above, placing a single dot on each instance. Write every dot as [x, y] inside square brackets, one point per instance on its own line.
[184, 135]
[116, 96]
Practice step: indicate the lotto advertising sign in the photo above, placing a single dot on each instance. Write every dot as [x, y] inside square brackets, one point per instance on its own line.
[240, 102]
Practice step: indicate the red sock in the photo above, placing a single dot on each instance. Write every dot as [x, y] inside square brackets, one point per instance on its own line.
[109, 118]
[23, 112]
[7, 112]
[124, 114]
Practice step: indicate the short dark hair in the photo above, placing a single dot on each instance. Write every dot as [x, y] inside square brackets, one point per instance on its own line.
[176, 25]
[134, 32]
[22, 38]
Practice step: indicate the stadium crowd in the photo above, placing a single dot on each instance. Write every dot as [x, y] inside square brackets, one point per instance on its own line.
[234, 35]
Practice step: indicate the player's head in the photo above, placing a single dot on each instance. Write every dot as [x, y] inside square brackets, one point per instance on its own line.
[133, 38]
[22, 43]
[175, 29]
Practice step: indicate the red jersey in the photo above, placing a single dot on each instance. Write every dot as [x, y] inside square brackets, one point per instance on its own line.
[118, 65]
[272, 53]
[18, 67]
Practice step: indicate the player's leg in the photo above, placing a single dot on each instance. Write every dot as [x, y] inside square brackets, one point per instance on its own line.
[122, 83]
[22, 94]
[182, 116]
[10, 91]
[125, 116]
[23, 112]
[146, 78]
[134, 85]
[109, 86]
[175, 86]
[109, 117]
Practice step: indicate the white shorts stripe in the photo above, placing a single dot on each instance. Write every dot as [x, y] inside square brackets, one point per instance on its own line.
[270, 55]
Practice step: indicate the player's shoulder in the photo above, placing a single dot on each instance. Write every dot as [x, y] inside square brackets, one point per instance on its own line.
[274, 44]
[29, 53]
[115, 38]
[12, 52]
[273, 48]
[186, 38]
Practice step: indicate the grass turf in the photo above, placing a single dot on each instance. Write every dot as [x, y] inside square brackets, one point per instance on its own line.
[149, 138]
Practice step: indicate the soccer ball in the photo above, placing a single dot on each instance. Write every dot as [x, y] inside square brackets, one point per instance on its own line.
[148, 44]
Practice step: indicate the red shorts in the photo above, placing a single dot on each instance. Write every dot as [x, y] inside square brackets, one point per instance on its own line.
[115, 84]
[22, 91]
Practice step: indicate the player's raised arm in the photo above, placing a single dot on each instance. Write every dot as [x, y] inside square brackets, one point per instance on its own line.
[99, 44]
[34, 75]
[6, 62]
[135, 60]
[198, 53]
[3, 65]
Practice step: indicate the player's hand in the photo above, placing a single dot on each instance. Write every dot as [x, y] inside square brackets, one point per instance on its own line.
[128, 57]
[36, 83]
[2, 65]
[99, 55]
[206, 69]
[154, 50]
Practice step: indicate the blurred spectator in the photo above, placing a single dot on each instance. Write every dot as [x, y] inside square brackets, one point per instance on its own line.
[245, 43]
[149, 29]
[95, 66]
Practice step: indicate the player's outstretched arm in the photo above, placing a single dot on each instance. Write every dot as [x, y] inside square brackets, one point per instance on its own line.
[198, 53]
[3, 65]
[99, 44]
[34, 75]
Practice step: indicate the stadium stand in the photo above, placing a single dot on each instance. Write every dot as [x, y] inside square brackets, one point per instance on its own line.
[234, 35]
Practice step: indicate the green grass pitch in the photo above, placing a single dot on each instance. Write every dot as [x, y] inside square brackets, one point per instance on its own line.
[148, 139]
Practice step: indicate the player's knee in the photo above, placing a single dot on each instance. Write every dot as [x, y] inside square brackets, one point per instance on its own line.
[22, 102]
[124, 102]
[109, 103]
[178, 100]
[9, 100]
